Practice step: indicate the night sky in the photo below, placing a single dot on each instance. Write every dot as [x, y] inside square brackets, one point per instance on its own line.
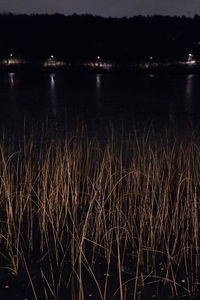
[106, 8]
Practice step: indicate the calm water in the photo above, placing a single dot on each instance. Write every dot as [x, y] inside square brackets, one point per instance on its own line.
[97, 99]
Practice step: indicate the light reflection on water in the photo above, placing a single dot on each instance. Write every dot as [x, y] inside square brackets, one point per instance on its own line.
[11, 77]
[97, 98]
[52, 81]
[151, 75]
[189, 95]
[98, 81]
[53, 99]
[12, 94]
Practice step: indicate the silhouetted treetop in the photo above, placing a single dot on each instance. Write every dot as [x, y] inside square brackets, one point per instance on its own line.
[84, 37]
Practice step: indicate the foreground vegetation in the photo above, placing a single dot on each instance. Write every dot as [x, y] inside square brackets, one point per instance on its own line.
[82, 218]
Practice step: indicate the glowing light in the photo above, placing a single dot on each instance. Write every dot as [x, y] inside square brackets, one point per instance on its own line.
[11, 54]
[52, 56]
[98, 57]
[190, 59]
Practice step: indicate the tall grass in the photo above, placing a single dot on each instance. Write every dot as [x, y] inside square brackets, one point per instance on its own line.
[119, 219]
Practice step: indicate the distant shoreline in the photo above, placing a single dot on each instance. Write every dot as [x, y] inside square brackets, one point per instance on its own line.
[155, 68]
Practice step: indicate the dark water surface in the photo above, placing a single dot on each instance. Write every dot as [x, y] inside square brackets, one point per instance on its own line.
[97, 99]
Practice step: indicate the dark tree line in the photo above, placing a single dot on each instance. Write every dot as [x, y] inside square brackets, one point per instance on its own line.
[79, 38]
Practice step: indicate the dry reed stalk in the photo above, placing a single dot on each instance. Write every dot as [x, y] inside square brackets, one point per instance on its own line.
[140, 194]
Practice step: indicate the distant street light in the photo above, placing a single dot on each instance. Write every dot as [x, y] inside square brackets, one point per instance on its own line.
[190, 57]
[98, 61]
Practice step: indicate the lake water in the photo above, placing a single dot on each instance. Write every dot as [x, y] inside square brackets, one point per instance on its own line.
[98, 100]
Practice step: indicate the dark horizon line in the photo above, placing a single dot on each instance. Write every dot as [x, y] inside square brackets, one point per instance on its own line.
[98, 16]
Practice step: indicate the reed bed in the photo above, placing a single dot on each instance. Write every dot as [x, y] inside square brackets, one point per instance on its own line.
[82, 218]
